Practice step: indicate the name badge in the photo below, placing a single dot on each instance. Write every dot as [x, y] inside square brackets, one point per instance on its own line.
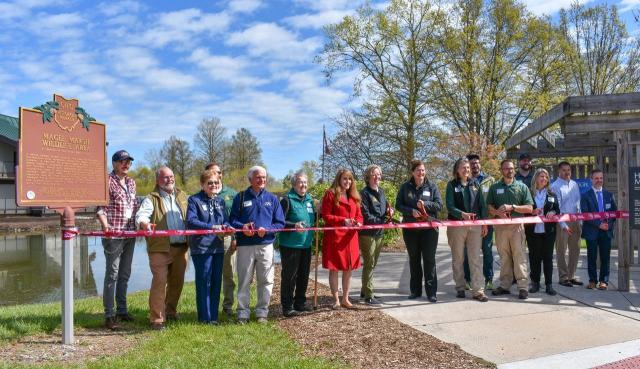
[552, 199]
[607, 206]
[426, 193]
[458, 189]
[204, 207]
[485, 190]
[128, 213]
[500, 191]
[246, 204]
[310, 210]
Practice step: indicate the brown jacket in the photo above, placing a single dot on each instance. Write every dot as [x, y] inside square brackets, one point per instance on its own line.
[159, 218]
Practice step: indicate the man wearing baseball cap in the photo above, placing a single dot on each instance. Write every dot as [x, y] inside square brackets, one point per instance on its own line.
[525, 171]
[118, 215]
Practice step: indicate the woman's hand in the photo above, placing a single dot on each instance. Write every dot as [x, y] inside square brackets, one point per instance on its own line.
[484, 230]
[467, 216]
[550, 214]
[416, 214]
[299, 226]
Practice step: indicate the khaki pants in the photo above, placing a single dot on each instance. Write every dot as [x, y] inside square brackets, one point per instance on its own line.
[260, 259]
[370, 251]
[228, 272]
[471, 238]
[168, 270]
[567, 269]
[509, 242]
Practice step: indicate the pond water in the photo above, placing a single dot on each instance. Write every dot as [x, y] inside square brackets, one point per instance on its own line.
[31, 268]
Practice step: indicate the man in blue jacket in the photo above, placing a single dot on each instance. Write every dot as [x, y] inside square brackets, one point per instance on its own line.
[598, 233]
[255, 211]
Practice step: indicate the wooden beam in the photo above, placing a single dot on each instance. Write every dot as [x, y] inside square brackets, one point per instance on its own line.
[533, 141]
[543, 122]
[550, 139]
[603, 103]
[559, 153]
[622, 225]
[589, 140]
[600, 123]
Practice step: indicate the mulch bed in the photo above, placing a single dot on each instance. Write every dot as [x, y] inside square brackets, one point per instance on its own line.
[365, 337]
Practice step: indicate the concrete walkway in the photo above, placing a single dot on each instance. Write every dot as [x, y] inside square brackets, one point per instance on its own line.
[540, 332]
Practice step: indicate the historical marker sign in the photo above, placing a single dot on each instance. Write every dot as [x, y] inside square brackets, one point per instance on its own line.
[634, 197]
[61, 156]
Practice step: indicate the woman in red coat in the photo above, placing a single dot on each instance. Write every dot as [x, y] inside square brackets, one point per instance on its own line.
[340, 251]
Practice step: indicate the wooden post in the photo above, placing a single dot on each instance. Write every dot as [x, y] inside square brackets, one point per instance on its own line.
[622, 229]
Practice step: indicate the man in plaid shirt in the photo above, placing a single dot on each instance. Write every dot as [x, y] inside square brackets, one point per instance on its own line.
[119, 215]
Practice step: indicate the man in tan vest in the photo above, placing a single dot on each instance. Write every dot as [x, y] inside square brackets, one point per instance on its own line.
[165, 208]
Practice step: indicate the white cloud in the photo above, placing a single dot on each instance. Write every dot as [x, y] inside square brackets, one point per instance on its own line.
[317, 20]
[273, 41]
[232, 70]
[322, 100]
[22, 8]
[111, 9]
[244, 6]
[67, 26]
[627, 5]
[328, 4]
[550, 7]
[140, 63]
[181, 26]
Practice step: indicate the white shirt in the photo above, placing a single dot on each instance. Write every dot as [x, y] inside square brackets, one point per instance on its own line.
[540, 199]
[174, 215]
[568, 193]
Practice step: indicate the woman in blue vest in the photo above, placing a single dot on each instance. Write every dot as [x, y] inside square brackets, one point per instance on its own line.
[295, 246]
[206, 210]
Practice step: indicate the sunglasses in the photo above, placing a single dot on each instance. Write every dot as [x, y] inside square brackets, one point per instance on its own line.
[212, 183]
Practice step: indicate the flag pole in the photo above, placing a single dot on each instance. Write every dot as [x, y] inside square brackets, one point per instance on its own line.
[324, 149]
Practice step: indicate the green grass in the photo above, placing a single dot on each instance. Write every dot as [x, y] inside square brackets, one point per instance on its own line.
[184, 344]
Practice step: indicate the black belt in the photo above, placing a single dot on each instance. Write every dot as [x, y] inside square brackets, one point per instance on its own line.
[179, 244]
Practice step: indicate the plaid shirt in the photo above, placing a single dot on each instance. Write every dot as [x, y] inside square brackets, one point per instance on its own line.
[120, 199]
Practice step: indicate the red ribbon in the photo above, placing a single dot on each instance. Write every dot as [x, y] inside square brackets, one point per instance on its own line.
[69, 234]
[417, 225]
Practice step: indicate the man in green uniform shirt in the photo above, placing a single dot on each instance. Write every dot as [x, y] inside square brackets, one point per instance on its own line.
[229, 263]
[509, 198]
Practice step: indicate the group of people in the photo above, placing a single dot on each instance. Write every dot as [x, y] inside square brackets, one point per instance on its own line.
[249, 222]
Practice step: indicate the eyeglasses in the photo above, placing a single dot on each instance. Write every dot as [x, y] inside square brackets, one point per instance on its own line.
[212, 183]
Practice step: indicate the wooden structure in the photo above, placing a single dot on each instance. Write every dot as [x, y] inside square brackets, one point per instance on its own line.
[604, 131]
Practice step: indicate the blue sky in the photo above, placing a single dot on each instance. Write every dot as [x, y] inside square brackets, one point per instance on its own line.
[154, 69]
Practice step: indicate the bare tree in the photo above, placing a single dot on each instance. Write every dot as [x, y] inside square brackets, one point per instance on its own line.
[243, 150]
[178, 156]
[210, 140]
[154, 158]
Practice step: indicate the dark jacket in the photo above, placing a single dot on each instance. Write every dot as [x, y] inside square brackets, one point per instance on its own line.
[374, 209]
[552, 203]
[589, 204]
[262, 209]
[204, 212]
[468, 199]
[409, 194]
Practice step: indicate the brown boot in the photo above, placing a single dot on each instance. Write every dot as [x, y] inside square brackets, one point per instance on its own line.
[111, 323]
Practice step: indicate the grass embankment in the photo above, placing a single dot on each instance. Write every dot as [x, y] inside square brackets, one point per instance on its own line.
[184, 344]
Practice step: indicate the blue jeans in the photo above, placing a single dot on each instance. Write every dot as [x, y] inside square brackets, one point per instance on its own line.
[602, 244]
[208, 270]
[118, 254]
[487, 258]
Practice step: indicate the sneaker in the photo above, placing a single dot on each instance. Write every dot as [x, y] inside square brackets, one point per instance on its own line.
[126, 317]
[290, 313]
[213, 322]
[304, 309]
[575, 282]
[228, 311]
[467, 286]
[535, 287]
[500, 291]
[157, 326]
[111, 323]
[602, 286]
[242, 321]
[481, 297]
[550, 291]
[372, 301]
[460, 294]
[566, 283]
[262, 320]
[488, 285]
[523, 294]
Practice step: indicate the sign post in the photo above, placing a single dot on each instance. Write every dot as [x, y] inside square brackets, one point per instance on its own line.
[62, 165]
[634, 197]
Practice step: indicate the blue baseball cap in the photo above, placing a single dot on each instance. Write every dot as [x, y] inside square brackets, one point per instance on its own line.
[121, 155]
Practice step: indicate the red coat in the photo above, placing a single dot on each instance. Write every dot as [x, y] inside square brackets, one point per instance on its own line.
[340, 250]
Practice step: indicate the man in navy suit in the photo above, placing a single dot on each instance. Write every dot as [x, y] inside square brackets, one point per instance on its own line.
[598, 233]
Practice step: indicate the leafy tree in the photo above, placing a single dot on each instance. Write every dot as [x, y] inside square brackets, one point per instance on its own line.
[243, 151]
[602, 57]
[178, 156]
[154, 158]
[396, 53]
[210, 140]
